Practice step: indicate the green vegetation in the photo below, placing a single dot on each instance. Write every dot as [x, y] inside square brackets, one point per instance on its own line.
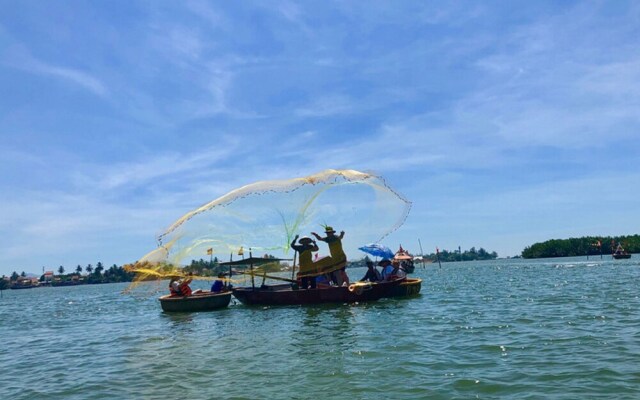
[111, 275]
[587, 245]
[459, 255]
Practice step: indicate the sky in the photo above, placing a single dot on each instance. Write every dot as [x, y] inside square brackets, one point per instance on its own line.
[505, 123]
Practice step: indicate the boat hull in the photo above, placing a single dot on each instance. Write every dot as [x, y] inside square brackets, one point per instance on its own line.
[621, 256]
[19, 287]
[408, 287]
[205, 301]
[285, 295]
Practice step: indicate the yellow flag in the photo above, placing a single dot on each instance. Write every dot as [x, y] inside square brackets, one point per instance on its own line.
[210, 251]
[241, 251]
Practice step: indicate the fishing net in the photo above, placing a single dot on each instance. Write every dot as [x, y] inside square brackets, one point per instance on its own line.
[264, 217]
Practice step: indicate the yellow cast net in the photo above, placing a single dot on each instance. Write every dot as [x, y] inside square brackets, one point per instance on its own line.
[265, 217]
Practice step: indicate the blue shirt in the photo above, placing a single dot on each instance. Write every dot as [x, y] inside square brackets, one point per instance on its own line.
[217, 286]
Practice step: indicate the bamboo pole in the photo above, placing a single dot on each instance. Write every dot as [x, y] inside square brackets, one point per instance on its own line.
[253, 284]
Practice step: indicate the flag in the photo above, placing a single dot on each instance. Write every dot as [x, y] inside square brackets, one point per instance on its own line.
[210, 251]
[241, 251]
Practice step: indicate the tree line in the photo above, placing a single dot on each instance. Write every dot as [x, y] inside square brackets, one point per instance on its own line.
[458, 255]
[97, 274]
[583, 246]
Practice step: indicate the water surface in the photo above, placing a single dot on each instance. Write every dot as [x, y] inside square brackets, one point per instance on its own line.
[528, 329]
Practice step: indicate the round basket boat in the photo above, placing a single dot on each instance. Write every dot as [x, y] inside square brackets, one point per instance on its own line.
[204, 301]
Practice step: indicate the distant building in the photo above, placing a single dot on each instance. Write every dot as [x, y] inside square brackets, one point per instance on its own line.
[48, 276]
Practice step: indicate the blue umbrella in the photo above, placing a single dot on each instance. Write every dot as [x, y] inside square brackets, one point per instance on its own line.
[377, 250]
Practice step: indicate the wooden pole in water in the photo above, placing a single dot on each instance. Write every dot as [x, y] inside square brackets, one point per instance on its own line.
[438, 257]
[253, 285]
[293, 268]
[600, 247]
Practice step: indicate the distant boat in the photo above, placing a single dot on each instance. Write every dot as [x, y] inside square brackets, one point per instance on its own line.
[24, 283]
[23, 286]
[620, 253]
[405, 260]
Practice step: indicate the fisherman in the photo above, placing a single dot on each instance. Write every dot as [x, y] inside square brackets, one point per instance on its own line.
[305, 248]
[372, 275]
[338, 258]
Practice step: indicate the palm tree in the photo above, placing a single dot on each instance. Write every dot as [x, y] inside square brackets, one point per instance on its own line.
[61, 270]
[99, 269]
[89, 269]
[14, 276]
[79, 269]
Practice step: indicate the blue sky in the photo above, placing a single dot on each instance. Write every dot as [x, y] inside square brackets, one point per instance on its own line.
[505, 123]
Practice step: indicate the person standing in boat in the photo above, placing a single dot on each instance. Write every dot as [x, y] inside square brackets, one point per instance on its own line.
[338, 258]
[305, 248]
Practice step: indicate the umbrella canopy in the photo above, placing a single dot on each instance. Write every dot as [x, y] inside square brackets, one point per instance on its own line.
[377, 250]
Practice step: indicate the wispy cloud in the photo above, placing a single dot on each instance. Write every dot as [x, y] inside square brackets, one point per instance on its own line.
[19, 57]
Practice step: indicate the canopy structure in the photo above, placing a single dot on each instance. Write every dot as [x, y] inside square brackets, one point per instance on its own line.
[402, 254]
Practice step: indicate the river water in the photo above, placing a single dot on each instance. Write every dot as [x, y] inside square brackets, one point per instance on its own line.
[528, 329]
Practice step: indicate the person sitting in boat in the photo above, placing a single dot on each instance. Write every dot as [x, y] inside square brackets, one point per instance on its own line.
[391, 270]
[372, 275]
[337, 257]
[183, 286]
[305, 248]
[218, 284]
[174, 287]
[323, 281]
[387, 268]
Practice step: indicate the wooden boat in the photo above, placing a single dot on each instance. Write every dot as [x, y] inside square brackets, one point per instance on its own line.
[407, 287]
[620, 253]
[405, 259]
[203, 301]
[287, 294]
[16, 287]
[620, 256]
